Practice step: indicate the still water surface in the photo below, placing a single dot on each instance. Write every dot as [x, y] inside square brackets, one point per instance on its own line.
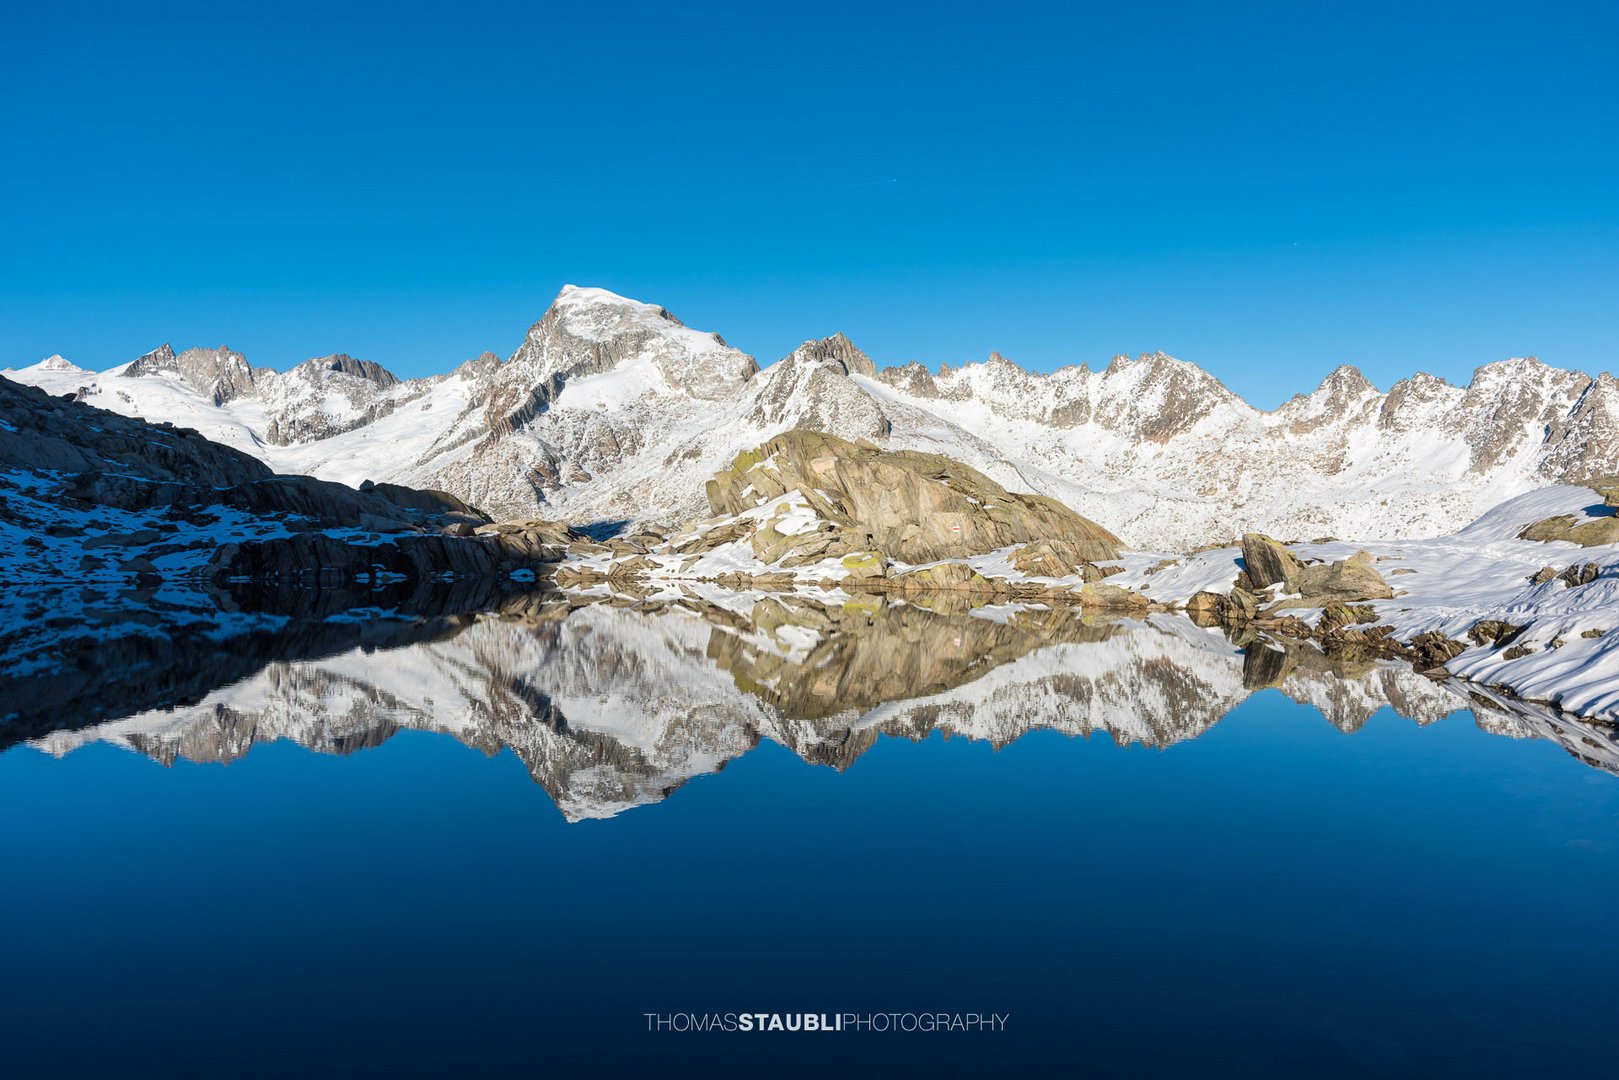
[499, 848]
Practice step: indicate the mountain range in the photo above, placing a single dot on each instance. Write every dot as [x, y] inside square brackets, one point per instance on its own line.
[613, 410]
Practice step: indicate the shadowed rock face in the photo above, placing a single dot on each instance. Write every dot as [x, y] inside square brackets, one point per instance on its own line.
[611, 707]
[90, 493]
[106, 460]
[45, 433]
[912, 506]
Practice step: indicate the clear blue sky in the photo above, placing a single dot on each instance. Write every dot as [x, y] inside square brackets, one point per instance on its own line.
[1267, 190]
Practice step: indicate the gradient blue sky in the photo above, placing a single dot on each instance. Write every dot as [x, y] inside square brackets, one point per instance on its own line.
[1267, 190]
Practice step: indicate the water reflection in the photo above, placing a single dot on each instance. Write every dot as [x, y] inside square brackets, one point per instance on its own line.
[614, 702]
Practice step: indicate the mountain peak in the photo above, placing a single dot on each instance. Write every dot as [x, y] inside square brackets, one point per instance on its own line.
[161, 360]
[220, 373]
[597, 315]
[588, 331]
[161, 357]
[1345, 380]
[1519, 368]
[1157, 358]
[838, 347]
[590, 305]
[344, 364]
[589, 294]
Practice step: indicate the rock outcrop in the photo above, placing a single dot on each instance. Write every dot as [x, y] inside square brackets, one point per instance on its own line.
[1056, 557]
[911, 506]
[1586, 531]
[1266, 561]
[41, 433]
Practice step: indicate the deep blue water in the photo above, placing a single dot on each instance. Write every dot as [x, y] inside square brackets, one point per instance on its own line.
[1272, 897]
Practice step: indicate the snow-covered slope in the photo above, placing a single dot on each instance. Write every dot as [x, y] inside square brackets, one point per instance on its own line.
[613, 409]
[1565, 651]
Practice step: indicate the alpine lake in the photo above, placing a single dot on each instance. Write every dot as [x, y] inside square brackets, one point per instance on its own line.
[548, 835]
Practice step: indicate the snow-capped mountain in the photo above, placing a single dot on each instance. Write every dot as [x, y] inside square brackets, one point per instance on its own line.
[613, 409]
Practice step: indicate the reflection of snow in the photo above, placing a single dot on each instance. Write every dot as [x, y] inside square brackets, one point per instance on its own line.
[612, 708]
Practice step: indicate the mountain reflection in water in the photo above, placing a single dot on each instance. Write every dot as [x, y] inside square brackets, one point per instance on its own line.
[611, 703]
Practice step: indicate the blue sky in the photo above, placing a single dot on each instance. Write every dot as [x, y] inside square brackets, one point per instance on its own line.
[1267, 190]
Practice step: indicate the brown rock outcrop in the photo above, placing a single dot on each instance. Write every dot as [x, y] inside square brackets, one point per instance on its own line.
[914, 507]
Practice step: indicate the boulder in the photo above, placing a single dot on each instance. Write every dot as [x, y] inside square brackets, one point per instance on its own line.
[1354, 578]
[865, 565]
[1432, 650]
[1494, 632]
[534, 540]
[771, 546]
[1339, 614]
[708, 536]
[1582, 574]
[1266, 561]
[622, 570]
[1241, 604]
